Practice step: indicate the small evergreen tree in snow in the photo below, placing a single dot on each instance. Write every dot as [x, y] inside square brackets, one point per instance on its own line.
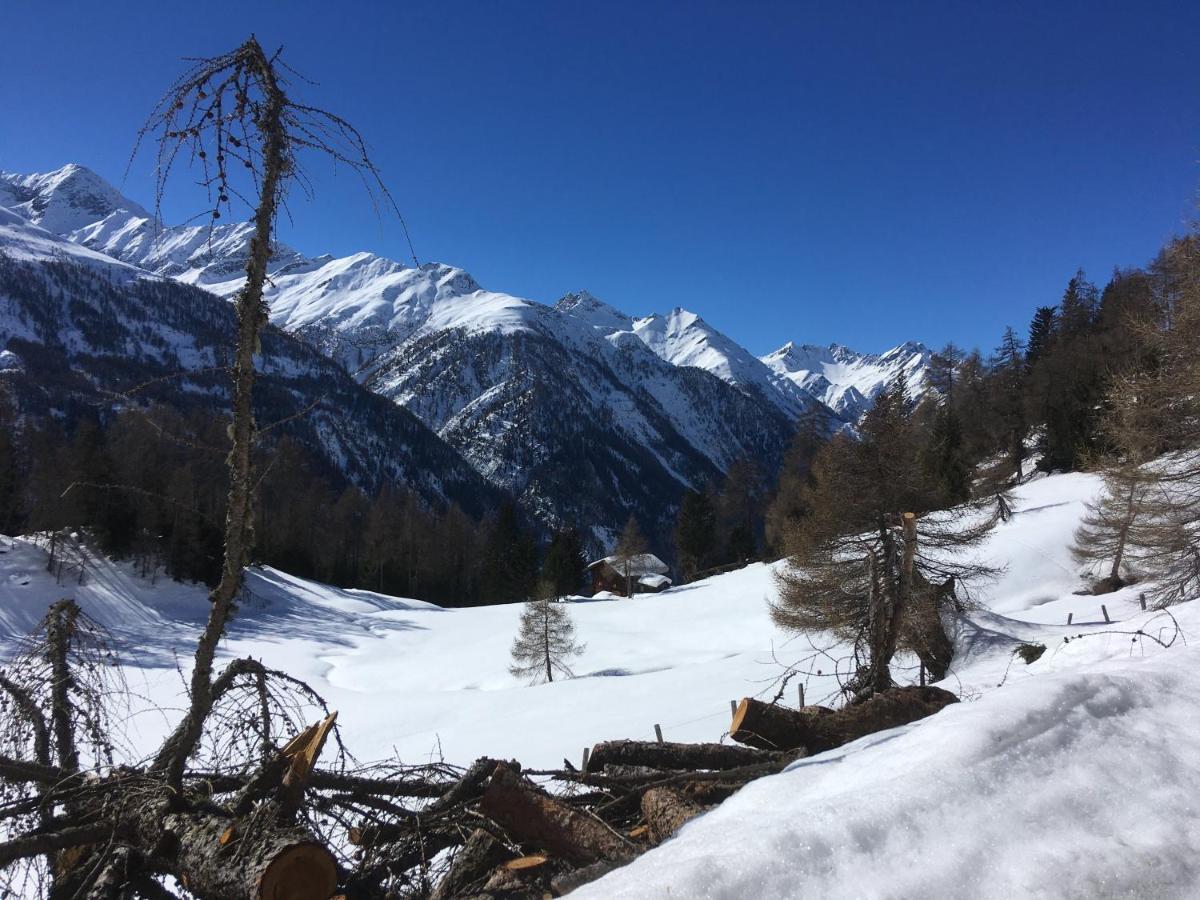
[546, 640]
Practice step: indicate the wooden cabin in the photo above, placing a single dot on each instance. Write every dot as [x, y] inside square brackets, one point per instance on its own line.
[642, 574]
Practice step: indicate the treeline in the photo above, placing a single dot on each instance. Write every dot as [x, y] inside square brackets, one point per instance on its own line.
[150, 486]
[1048, 390]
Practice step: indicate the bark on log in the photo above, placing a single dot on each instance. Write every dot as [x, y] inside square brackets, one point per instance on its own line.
[765, 726]
[666, 811]
[654, 755]
[535, 818]
[474, 861]
[261, 862]
[468, 787]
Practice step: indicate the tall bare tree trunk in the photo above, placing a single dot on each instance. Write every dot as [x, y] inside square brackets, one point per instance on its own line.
[251, 318]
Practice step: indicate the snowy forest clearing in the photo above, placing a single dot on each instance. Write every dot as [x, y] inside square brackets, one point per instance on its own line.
[1070, 780]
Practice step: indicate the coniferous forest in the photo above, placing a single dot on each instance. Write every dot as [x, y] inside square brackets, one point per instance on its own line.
[1047, 390]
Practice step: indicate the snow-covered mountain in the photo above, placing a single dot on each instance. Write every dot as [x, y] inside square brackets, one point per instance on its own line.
[79, 330]
[847, 381]
[684, 339]
[579, 409]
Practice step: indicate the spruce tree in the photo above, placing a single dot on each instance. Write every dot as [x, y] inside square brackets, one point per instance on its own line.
[789, 504]
[1008, 367]
[10, 492]
[695, 534]
[565, 566]
[509, 559]
[545, 641]
[1041, 334]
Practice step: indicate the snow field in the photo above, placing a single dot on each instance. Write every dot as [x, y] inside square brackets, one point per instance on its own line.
[1071, 777]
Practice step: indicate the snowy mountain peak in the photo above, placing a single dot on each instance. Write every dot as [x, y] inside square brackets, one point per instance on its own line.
[848, 381]
[66, 199]
[594, 311]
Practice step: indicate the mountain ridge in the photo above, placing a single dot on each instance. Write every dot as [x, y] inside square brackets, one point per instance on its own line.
[663, 403]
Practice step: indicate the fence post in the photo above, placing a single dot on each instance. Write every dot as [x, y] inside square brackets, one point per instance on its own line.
[1070, 616]
[801, 686]
[658, 733]
[1104, 609]
[1142, 598]
[586, 753]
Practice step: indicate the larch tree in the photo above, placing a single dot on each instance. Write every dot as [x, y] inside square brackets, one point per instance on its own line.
[874, 562]
[231, 115]
[1113, 523]
[546, 641]
[1157, 411]
[630, 546]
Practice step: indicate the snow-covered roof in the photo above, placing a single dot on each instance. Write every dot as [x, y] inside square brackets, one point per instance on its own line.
[654, 581]
[642, 564]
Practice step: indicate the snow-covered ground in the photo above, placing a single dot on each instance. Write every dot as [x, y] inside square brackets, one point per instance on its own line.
[1072, 777]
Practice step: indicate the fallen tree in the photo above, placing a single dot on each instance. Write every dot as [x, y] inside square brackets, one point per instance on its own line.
[769, 726]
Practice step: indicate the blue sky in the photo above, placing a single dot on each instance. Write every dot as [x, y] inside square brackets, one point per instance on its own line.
[858, 172]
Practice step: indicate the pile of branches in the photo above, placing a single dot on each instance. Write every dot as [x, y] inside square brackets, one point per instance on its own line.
[254, 815]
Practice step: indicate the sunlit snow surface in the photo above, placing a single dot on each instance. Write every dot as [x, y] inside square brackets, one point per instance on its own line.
[1076, 778]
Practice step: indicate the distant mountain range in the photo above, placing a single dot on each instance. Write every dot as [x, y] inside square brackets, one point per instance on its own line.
[582, 412]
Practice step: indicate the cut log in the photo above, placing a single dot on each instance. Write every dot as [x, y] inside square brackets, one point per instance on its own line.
[765, 726]
[264, 862]
[666, 811]
[524, 863]
[472, 864]
[539, 820]
[654, 755]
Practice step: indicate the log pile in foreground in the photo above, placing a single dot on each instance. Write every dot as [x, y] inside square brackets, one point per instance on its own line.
[259, 819]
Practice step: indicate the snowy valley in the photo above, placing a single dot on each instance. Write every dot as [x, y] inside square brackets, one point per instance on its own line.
[1061, 777]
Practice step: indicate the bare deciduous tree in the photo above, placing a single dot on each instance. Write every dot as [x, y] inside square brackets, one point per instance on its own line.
[229, 114]
[546, 640]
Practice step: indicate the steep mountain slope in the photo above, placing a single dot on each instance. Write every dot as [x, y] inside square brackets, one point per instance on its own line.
[581, 410]
[82, 332]
[684, 339]
[581, 428]
[847, 381]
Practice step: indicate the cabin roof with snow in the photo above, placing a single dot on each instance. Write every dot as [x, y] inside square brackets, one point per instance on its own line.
[641, 565]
